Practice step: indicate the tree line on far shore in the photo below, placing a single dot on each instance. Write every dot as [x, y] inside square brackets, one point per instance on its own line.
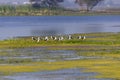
[54, 3]
[52, 7]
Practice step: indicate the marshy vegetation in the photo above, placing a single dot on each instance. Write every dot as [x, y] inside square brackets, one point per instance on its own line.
[99, 52]
[27, 10]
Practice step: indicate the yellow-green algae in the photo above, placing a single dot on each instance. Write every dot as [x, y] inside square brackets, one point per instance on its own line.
[107, 68]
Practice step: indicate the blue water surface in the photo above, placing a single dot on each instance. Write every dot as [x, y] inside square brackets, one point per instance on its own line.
[14, 26]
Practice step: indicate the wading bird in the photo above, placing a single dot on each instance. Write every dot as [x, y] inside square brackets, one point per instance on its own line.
[38, 40]
[46, 38]
[69, 37]
[79, 37]
[60, 38]
[51, 37]
[55, 38]
[83, 37]
[33, 39]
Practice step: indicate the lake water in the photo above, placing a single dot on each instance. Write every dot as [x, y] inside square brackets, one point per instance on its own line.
[15, 26]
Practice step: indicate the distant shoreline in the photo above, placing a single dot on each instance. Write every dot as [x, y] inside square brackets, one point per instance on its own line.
[30, 11]
[58, 13]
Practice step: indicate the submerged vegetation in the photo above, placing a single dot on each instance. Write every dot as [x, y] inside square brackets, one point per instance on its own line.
[101, 52]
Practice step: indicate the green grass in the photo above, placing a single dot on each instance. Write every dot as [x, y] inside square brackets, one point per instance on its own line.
[98, 39]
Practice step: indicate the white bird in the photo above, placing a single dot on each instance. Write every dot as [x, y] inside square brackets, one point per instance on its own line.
[33, 39]
[38, 40]
[83, 38]
[55, 38]
[79, 37]
[51, 37]
[46, 38]
[60, 38]
[69, 37]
